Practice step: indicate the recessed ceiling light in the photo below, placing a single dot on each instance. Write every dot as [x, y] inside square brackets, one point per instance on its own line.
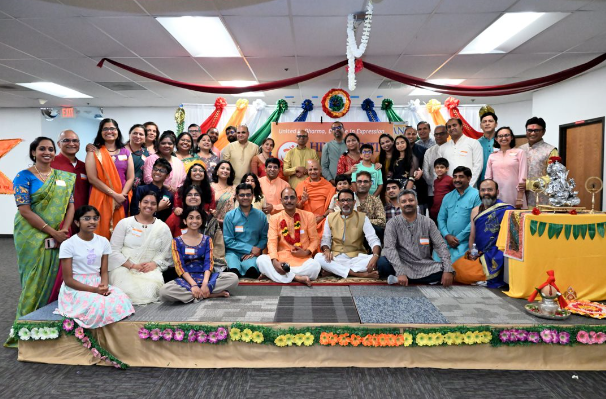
[510, 31]
[54, 89]
[201, 36]
[426, 92]
[238, 83]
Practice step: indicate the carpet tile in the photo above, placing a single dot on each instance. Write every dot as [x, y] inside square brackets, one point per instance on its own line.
[316, 310]
[385, 291]
[45, 313]
[456, 291]
[238, 308]
[404, 310]
[315, 291]
[482, 311]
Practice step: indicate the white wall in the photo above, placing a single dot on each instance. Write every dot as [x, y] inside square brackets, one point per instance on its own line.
[570, 101]
[514, 115]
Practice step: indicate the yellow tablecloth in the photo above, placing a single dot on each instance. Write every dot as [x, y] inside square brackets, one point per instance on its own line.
[579, 263]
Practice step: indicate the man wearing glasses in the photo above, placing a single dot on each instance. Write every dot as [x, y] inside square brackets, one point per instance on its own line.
[245, 234]
[441, 136]
[332, 151]
[538, 153]
[369, 204]
[240, 152]
[296, 159]
[194, 130]
[343, 253]
[160, 172]
[69, 144]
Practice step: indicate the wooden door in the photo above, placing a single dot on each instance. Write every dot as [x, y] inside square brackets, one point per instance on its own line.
[582, 151]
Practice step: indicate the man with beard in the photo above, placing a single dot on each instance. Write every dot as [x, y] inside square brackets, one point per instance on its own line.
[441, 136]
[213, 135]
[230, 134]
[454, 216]
[240, 152]
[488, 123]
[485, 225]
[462, 150]
[343, 253]
[392, 205]
[292, 239]
[315, 193]
[332, 151]
[409, 239]
[272, 186]
[369, 204]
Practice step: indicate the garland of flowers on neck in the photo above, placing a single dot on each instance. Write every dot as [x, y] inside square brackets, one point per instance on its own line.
[286, 234]
[353, 51]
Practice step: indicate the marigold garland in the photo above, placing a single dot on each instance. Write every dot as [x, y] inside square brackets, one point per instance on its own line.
[286, 234]
[336, 103]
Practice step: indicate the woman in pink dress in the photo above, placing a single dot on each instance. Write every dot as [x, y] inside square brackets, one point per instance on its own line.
[508, 168]
[166, 149]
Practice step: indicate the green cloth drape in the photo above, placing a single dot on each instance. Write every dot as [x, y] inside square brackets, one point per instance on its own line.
[263, 132]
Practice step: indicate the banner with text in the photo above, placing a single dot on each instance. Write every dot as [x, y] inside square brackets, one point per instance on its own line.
[284, 134]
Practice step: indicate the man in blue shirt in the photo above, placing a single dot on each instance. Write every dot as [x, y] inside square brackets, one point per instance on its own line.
[488, 122]
[454, 220]
[245, 234]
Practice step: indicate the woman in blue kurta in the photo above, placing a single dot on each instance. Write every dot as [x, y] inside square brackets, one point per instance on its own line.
[193, 259]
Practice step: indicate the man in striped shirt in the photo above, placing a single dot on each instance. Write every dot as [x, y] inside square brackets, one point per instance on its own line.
[409, 240]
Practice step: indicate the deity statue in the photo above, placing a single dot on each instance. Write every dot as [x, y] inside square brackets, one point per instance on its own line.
[560, 188]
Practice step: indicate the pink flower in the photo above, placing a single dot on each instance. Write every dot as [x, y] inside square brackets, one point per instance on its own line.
[95, 352]
[167, 334]
[522, 335]
[534, 337]
[546, 336]
[221, 333]
[143, 333]
[504, 336]
[202, 337]
[116, 365]
[179, 335]
[192, 336]
[600, 338]
[68, 324]
[564, 337]
[155, 334]
[86, 343]
[212, 337]
[593, 337]
[79, 333]
[583, 337]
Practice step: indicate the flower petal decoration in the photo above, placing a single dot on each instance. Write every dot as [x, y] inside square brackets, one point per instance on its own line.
[387, 106]
[336, 103]
[369, 107]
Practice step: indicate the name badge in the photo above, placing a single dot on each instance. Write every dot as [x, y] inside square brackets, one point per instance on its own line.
[83, 176]
[513, 154]
[190, 251]
[137, 232]
[122, 157]
[424, 241]
[463, 153]
[239, 229]
[183, 231]
[61, 183]
[302, 231]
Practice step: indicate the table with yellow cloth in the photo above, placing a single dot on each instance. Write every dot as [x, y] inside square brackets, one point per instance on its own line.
[578, 263]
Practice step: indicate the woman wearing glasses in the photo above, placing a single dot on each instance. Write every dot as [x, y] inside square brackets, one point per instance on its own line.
[140, 252]
[111, 172]
[166, 149]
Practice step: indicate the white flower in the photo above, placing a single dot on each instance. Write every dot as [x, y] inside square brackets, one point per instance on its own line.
[12, 333]
[43, 333]
[53, 333]
[24, 334]
[35, 332]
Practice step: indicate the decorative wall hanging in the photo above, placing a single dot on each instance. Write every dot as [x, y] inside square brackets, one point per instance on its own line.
[336, 103]
[353, 51]
[433, 107]
[180, 119]
[234, 120]
[387, 106]
[307, 106]
[265, 129]
[369, 107]
[215, 116]
[6, 186]
[452, 104]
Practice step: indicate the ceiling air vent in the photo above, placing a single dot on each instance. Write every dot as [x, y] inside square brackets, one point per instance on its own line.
[122, 86]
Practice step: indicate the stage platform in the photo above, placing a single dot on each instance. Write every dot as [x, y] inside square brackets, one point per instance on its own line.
[277, 310]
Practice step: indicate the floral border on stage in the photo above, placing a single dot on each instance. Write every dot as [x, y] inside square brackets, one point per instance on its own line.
[184, 333]
[555, 335]
[49, 330]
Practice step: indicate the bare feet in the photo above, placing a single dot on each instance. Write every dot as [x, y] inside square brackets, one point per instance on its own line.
[303, 280]
[374, 274]
[222, 294]
[326, 273]
[262, 277]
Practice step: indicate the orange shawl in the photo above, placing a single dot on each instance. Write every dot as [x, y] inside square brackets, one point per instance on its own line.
[320, 194]
[108, 174]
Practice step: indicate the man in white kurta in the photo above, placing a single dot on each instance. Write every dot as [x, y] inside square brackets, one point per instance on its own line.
[462, 151]
[343, 253]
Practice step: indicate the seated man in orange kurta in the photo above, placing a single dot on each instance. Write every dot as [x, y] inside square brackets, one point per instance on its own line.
[315, 194]
[292, 239]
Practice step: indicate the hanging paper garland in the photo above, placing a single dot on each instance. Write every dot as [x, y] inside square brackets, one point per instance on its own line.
[353, 51]
[265, 129]
[555, 229]
[452, 104]
[433, 107]
[369, 107]
[180, 118]
[387, 106]
[307, 106]
[234, 120]
[213, 119]
[336, 103]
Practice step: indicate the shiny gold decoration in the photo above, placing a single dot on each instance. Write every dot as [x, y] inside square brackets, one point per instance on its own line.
[593, 185]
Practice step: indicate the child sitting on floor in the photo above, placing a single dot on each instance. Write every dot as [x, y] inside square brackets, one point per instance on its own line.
[442, 185]
[342, 182]
[85, 294]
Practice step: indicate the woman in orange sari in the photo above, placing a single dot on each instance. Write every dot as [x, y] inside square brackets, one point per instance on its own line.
[111, 173]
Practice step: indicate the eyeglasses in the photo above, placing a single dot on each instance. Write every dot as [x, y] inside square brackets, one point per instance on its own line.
[245, 195]
[67, 141]
[194, 130]
[190, 195]
[347, 200]
[89, 218]
[363, 181]
[197, 170]
[366, 152]
[243, 132]
[336, 128]
[440, 133]
[109, 129]
[503, 136]
[302, 137]
[161, 170]
[534, 130]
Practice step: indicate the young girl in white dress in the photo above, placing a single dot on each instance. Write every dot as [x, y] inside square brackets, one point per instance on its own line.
[85, 294]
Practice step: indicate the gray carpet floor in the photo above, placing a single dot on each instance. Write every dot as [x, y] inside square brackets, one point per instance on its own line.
[31, 380]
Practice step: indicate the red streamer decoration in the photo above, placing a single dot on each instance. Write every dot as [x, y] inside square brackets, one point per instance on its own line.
[476, 91]
[452, 104]
[215, 116]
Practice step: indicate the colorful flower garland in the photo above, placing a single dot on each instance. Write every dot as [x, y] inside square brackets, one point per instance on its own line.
[286, 234]
[184, 333]
[48, 330]
[336, 103]
[586, 335]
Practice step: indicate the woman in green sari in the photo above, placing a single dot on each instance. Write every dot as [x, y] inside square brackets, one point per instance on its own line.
[45, 202]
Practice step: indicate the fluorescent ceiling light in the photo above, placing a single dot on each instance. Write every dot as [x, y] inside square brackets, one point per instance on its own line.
[54, 90]
[510, 31]
[238, 83]
[201, 36]
[425, 92]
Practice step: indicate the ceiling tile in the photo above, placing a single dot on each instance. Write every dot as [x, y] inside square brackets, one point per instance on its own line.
[511, 65]
[262, 36]
[87, 68]
[104, 8]
[465, 66]
[36, 8]
[253, 7]
[137, 63]
[9, 53]
[403, 27]
[181, 69]
[399, 7]
[23, 38]
[594, 45]
[419, 66]
[143, 35]
[557, 64]
[273, 68]
[320, 36]
[226, 68]
[12, 75]
[321, 7]
[43, 70]
[474, 6]
[548, 5]
[163, 8]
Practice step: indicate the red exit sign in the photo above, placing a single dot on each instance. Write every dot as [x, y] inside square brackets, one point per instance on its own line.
[68, 113]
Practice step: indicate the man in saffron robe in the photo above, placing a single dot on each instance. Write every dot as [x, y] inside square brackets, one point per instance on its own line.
[315, 193]
[292, 239]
